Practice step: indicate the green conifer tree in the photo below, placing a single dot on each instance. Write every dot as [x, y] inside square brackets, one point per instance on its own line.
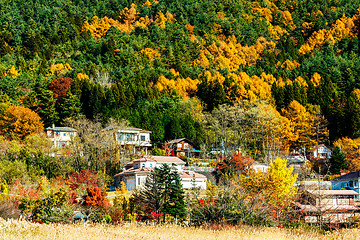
[337, 161]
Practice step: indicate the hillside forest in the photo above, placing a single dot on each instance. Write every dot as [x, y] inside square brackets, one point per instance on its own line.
[266, 77]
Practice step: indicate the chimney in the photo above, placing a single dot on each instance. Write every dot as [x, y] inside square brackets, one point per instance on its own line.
[53, 125]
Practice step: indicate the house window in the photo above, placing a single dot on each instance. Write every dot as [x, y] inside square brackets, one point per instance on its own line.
[120, 137]
[130, 137]
[142, 138]
[64, 134]
[138, 181]
[351, 184]
[151, 165]
[143, 165]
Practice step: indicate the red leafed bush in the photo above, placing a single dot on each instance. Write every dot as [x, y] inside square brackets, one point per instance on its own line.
[59, 87]
[83, 179]
[156, 216]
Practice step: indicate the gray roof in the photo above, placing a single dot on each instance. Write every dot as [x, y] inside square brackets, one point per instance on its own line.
[124, 129]
[61, 129]
[352, 175]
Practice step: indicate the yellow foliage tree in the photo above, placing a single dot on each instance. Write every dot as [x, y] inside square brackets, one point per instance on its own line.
[12, 72]
[185, 87]
[303, 124]
[342, 28]
[82, 76]
[290, 65]
[231, 55]
[60, 69]
[252, 88]
[288, 20]
[19, 122]
[351, 149]
[277, 184]
[143, 22]
[150, 53]
[98, 27]
[316, 79]
[160, 20]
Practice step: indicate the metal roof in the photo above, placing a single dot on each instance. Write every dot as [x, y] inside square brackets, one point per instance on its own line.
[352, 175]
[61, 129]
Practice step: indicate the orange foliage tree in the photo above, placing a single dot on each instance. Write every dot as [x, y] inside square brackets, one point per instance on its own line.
[235, 163]
[18, 122]
[95, 197]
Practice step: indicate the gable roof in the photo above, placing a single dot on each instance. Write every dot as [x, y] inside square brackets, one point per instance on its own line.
[61, 129]
[327, 149]
[134, 170]
[174, 141]
[165, 159]
[352, 175]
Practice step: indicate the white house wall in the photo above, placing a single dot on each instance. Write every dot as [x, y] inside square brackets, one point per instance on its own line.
[121, 138]
[188, 183]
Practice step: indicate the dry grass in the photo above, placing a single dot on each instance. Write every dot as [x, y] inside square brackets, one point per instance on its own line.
[13, 229]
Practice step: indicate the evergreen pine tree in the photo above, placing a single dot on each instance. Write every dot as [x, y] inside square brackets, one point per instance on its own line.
[47, 110]
[163, 193]
[354, 113]
[85, 98]
[71, 107]
[337, 161]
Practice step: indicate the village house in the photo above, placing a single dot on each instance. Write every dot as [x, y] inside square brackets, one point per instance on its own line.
[60, 136]
[136, 139]
[348, 181]
[136, 172]
[328, 206]
[321, 152]
[183, 147]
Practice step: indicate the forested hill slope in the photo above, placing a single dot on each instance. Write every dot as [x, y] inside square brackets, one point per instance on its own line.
[158, 63]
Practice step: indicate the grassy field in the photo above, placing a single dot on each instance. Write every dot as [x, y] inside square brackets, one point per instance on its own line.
[12, 229]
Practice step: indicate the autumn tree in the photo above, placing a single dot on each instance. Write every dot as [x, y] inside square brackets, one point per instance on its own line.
[350, 148]
[95, 197]
[60, 86]
[254, 126]
[277, 184]
[234, 164]
[18, 122]
[303, 124]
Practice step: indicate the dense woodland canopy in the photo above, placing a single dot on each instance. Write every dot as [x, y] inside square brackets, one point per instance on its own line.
[289, 68]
